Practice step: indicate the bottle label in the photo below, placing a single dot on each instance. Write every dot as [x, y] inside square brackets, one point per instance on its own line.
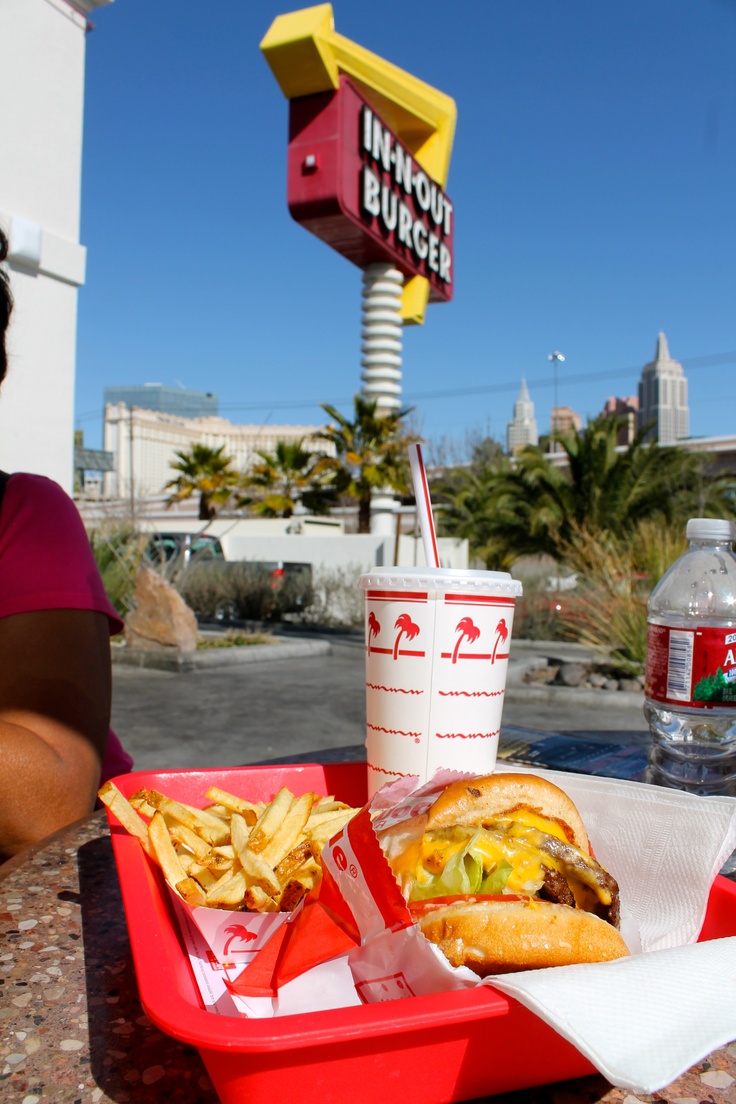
[691, 667]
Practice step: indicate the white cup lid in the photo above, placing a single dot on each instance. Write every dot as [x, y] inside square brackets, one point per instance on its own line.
[441, 578]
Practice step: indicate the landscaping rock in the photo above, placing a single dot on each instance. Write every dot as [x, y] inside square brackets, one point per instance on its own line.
[543, 674]
[573, 674]
[161, 620]
[630, 685]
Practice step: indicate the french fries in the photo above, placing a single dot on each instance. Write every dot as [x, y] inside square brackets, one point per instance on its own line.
[234, 854]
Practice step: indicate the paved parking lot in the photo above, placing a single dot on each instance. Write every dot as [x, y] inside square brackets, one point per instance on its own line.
[281, 708]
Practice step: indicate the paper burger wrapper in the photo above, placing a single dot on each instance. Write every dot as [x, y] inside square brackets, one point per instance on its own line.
[436, 656]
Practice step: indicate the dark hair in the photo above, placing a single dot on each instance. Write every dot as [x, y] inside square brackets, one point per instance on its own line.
[6, 306]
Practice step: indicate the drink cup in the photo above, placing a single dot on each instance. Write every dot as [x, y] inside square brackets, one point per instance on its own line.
[436, 655]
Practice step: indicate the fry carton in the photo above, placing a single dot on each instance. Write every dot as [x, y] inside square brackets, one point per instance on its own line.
[234, 956]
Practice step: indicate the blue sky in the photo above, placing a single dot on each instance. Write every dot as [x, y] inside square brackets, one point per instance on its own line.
[593, 178]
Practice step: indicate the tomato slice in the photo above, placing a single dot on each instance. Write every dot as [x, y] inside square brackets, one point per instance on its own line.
[419, 908]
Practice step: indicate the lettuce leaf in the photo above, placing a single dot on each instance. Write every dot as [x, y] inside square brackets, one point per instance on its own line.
[463, 874]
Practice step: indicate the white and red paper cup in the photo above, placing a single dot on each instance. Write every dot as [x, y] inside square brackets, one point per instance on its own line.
[436, 656]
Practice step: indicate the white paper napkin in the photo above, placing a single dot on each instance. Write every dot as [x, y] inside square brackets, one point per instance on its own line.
[644, 1020]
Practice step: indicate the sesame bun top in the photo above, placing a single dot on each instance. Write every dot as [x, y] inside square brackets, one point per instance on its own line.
[477, 800]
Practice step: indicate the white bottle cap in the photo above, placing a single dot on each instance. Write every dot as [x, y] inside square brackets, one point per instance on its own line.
[710, 529]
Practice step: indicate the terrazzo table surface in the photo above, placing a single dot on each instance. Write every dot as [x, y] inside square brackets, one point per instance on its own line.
[72, 1028]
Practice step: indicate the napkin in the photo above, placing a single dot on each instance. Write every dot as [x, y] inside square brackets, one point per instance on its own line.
[641, 1021]
[644, 1020]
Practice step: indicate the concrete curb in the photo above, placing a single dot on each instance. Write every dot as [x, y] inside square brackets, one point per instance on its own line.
[210, 658]
[572, 696]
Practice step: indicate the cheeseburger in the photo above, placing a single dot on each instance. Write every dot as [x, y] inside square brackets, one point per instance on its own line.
[500, 876]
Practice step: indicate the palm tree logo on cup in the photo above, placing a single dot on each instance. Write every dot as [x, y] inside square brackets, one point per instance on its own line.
[374, 628]
[468, 631]
[407, 628]
[502, 635]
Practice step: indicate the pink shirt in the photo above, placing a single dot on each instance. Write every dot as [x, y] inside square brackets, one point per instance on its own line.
[46, 562]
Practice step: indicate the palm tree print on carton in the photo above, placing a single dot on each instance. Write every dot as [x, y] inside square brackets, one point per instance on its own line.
[406, 627]
[239, 932]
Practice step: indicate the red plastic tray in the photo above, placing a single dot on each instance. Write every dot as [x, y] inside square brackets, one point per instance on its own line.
[433, 1050]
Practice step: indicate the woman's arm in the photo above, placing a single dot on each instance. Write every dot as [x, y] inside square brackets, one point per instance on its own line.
[55, 699]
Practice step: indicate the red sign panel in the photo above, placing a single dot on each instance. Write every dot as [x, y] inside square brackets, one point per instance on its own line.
[353, 184]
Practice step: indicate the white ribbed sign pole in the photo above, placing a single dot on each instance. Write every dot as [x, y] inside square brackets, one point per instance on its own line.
[381, 349]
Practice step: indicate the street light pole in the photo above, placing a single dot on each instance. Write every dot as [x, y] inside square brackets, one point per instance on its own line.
[555, 357]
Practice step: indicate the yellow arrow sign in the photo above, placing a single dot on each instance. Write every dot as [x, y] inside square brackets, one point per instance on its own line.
[307, 55]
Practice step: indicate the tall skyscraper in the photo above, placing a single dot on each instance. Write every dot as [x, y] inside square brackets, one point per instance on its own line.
[180, 401]
[663, 397]
[522, 429]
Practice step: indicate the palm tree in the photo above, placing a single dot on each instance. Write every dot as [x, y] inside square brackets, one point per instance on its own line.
[370, 454]
[284, 478]
[466, 508]
[528, 506]
[204, 471]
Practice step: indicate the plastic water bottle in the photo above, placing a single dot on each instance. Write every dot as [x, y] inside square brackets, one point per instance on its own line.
[690, 680]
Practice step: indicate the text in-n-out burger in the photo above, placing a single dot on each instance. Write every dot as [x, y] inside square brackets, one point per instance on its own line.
[354, 184]
[410, 207]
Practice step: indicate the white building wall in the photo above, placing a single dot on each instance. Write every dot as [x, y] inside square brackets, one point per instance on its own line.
[41, 114]
[144, 442]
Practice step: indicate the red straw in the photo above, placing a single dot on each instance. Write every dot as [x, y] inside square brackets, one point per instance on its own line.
[424, 506]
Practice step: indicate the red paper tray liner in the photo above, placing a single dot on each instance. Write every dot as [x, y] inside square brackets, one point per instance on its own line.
[428, 1050]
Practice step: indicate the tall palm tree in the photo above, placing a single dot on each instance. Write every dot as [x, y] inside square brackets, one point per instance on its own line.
[370, 454]
[282, 479]
[466, 508]
[531, 506]
[204, 471]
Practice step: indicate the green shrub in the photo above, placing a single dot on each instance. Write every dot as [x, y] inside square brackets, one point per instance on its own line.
[616, 574]
[337, 600]
[240, 591]
[118, 554]
[538, 613]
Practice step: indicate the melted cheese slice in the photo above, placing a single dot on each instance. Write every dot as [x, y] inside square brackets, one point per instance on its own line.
[516, 840]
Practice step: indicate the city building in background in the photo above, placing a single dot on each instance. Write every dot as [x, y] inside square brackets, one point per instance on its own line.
[41, 113]
[522, 429]
[90, 466]
[663, 403]
[181, 401]
[626, 409]
[144, 444]
[564, 419]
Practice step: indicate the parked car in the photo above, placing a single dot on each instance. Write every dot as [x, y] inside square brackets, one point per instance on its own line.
[182, 549]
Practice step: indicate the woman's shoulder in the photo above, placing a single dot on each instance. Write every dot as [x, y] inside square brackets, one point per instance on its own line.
[39, 484]
[27, 488]
[36, 505]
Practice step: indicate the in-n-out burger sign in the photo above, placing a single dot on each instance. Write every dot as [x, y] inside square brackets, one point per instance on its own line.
[358, 188]
[390, 179]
